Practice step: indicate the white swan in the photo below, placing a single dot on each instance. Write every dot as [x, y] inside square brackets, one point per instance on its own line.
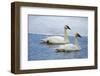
[58, 39]
[70, 47]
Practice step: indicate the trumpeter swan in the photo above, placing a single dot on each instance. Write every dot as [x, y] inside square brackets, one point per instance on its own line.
[70, 47]
[58, 39]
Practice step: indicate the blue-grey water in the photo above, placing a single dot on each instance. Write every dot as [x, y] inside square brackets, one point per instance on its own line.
[41, 51]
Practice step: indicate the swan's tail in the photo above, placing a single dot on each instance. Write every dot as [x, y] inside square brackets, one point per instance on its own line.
[43, 40]
[60, 50]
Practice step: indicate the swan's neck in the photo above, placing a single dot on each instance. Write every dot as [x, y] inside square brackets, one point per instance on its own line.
[66, 38]
[76, 42]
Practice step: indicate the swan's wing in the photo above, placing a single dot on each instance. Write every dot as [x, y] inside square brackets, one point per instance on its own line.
[71, 47]
[68, 47]
[54, 39]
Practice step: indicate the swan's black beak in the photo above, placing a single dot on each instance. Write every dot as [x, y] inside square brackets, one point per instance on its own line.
[78, 35]
[67, 27]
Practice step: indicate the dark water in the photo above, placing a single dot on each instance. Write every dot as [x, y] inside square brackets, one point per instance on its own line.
[40, 51]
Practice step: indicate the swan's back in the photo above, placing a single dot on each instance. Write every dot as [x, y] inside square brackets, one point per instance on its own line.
[54, 39]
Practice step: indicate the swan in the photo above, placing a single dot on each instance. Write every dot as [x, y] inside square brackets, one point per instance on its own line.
[70, 47]
[58, 39]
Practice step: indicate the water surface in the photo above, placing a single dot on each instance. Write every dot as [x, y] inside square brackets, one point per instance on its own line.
[40, 51]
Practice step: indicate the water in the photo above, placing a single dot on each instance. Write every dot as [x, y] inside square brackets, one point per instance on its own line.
[40, 51]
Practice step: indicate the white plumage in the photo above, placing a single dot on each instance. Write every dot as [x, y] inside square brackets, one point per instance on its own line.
[54, 40]
[58, 39]
[70, 47]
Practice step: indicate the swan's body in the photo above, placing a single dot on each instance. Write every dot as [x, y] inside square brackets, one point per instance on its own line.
[70, 47]
[58, 39]
[54, 40]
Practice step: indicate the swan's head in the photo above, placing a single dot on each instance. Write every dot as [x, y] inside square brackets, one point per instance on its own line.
[67, 27]
[78, 35]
